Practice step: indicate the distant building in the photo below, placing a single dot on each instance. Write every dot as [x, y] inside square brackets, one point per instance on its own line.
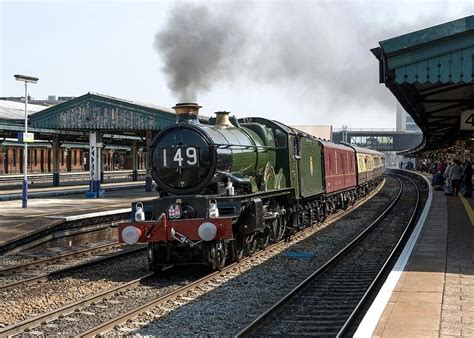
[405, 122]
[50, 101]
[323, 132]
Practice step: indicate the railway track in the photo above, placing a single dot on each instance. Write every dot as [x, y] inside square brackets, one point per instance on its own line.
[52, 260]
[327, 302]
[60, 280]
[12, 277]
[88, 315]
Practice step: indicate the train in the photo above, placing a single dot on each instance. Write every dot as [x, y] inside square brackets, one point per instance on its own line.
[229, 187]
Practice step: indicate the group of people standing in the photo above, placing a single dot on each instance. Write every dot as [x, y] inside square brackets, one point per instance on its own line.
[457, 176]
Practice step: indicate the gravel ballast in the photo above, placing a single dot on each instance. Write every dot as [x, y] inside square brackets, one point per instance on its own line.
[233, 302]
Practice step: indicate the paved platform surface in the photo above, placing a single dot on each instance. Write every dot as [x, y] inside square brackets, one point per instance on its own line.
[16, 222]
[434, 296]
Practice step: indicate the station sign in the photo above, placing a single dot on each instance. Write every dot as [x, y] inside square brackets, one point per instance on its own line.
[26, 137]
[467, 120]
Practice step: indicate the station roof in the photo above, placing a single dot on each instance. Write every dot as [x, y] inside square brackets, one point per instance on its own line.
[120, 121]
[94, 111]
[13, 111]
[431, 74]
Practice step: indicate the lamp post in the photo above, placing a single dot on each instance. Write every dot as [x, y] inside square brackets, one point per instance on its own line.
[26, 79]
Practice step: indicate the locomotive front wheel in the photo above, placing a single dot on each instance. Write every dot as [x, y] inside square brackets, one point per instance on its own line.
[250, 245]
[218, 254]
[237, 249]
[155, 256]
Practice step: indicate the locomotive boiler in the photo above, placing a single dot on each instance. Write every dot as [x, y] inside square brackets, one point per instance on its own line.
[230, 186]
[191, 157]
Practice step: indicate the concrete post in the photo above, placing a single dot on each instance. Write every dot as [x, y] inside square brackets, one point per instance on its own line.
[148, 161]
[135, 161]
[56, 161]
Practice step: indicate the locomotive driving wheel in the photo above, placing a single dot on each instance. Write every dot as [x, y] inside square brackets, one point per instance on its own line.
[277, 229]
[264, 241]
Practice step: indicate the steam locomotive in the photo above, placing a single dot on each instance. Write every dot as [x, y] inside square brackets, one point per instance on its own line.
[230, 186]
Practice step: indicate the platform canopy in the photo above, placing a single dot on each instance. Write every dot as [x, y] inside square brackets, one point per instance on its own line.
[431, 73]
[105, 113]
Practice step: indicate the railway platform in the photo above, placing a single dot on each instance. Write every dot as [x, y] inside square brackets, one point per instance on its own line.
[430, 290]
[19, 226]
[67, 189]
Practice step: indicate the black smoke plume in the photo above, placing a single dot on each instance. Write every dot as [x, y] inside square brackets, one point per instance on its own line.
[319, 51]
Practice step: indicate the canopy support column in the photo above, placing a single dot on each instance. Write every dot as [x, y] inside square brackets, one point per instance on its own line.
[56, 161]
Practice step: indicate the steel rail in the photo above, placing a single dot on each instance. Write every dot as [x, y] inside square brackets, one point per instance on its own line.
[363, 301]
[51, 315]
[64, 310]
[58, 258]
[271, 310]
[37, 279]
[122, 319]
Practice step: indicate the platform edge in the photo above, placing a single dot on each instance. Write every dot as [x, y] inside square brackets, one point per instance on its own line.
[372, 317]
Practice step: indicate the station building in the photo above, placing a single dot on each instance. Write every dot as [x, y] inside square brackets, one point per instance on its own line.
[92, 132]
[73, 156]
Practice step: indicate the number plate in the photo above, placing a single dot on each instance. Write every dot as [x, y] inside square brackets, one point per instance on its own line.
[179, 157]
[467, 120]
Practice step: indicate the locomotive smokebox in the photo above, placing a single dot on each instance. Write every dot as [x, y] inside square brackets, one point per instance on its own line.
[187, 112]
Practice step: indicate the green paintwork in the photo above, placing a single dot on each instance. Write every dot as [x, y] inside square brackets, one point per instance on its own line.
[427, 35]
[94, 111]
[251, 151]
[431, 72]
[310, 167]
[442, 53]
[293, 165]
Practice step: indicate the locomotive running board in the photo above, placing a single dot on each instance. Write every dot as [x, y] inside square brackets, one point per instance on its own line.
[265, 194]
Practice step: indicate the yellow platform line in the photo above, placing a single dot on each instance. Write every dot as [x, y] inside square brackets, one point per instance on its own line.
[469, 210]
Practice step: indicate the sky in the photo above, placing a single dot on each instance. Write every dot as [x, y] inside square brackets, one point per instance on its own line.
[299, 62]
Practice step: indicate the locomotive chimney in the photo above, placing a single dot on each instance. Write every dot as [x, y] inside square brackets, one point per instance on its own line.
[222, 119]
[187, 112]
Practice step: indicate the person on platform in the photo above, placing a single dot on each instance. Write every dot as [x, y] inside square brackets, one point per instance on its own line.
[467, 178]
[455, 177]
[446, 172]
[442, 167]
